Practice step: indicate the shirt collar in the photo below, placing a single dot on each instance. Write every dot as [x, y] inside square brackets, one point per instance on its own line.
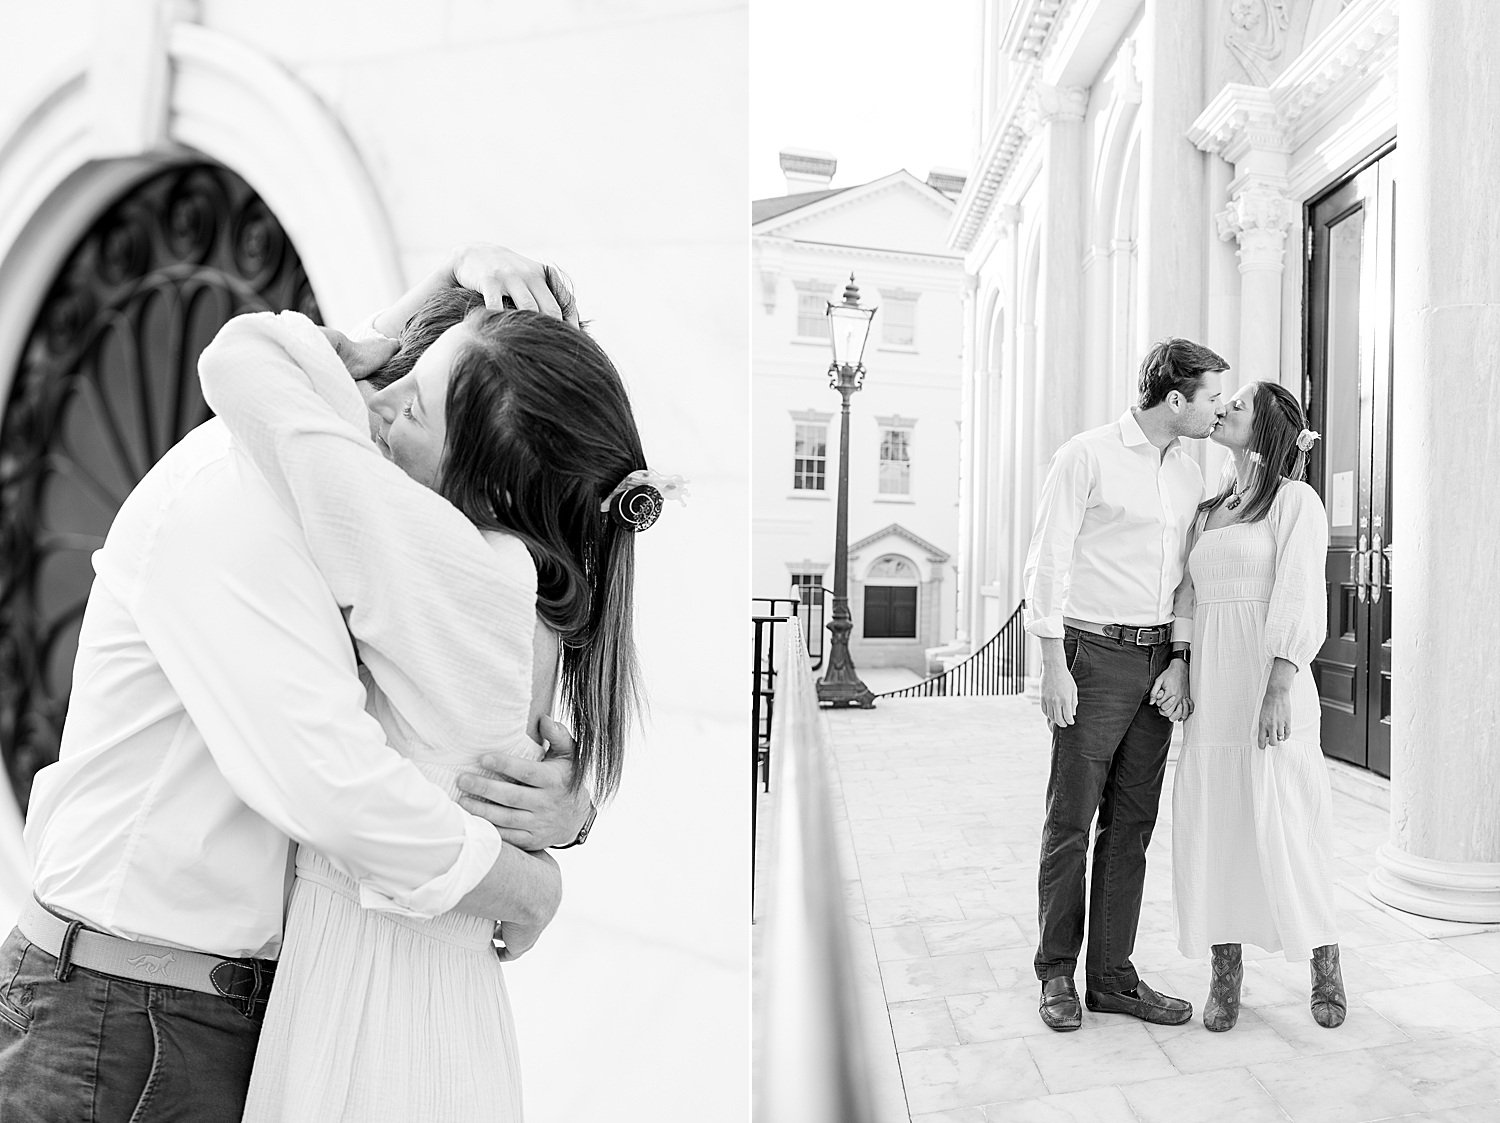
[1133, 435]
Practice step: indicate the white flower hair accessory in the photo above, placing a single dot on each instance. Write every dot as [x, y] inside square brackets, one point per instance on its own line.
[636, 501]
[1305, 439]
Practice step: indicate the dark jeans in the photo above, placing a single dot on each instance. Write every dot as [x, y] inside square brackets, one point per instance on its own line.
[1110, 761]
[96, 1049]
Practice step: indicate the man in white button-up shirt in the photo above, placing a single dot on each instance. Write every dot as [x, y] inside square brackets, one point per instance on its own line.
[217, 718]
[1102, 574]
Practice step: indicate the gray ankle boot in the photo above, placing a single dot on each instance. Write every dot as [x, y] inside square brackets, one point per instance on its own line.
[1222, 1009]
[1328, 1002]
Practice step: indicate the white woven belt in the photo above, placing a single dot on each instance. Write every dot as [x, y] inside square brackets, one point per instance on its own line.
[125, 959]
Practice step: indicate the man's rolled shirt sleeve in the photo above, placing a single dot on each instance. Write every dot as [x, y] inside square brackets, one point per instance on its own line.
[1060, 512]
[259, 655]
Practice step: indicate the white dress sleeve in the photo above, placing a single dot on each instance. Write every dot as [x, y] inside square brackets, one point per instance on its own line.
[443, 614]
[1297, 620]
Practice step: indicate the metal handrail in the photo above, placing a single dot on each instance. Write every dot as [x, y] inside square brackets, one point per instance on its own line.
[809, 1061]
[762, 707]
[999, 667]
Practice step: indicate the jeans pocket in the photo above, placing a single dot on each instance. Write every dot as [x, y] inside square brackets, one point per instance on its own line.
[1078, 658]
[12, 957]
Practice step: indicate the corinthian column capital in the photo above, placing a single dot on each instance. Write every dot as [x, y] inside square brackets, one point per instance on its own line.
[1258, 217]
[1060, 103]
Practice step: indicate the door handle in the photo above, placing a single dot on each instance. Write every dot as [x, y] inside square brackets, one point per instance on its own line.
[1362, 570]
[1377, 578]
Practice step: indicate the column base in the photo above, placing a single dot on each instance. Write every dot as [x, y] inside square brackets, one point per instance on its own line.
[1468, 892]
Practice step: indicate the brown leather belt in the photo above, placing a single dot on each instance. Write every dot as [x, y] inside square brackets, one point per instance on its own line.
[1125, 633]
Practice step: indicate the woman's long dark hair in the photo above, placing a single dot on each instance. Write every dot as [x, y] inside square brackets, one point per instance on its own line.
[539, 432]
[1274, 430]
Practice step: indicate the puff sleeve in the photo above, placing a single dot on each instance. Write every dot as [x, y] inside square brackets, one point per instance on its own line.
[1297, 620]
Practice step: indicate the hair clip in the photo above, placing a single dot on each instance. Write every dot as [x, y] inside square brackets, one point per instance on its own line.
[1305, 439]
[636, 501]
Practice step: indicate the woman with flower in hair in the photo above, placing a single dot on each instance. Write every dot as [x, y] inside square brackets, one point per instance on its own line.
[472, 496]
[1252, 859]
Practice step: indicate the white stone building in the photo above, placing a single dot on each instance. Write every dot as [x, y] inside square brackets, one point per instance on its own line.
[1227, 171]
[342, 149]
[903, 444]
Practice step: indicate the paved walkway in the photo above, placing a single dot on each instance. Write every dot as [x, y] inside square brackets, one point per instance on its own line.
[941, 819]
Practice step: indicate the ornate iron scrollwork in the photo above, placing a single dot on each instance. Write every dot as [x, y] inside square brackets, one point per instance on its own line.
[107, 383]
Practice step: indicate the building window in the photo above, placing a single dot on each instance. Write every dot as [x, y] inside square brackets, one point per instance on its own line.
[810, 457]
[890, 612]
[899, 327]
[895, 462]
[812, 315]
[809, 587]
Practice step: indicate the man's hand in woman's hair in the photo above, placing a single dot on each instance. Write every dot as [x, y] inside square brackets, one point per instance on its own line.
[531, 801]
[362, 357]
[497, 273]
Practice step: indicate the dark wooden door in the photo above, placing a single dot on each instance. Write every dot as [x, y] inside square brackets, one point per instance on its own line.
[1348, 394]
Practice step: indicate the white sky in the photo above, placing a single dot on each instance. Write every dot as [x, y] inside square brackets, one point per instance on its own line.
[881, 84]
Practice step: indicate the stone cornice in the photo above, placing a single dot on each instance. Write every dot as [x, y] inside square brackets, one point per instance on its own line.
[1013, 130]
[1032, 29]
[791, 245]
[934, 553]
[1319, 83]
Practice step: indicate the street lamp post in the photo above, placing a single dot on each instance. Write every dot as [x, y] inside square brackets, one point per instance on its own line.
[849, 328]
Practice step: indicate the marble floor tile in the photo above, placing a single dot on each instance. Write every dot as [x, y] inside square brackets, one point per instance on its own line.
[1451, 1073]
[996, 1015]
[901, 941]
[969, 1076]
[922, 1024]
[1351, 1087]
[1363, 1028]
[957, 881]
[884, 886]
[936, 976]
[913, 910]
[1096, 1105]
[957, 1115]
[1012, 967]
[1482, 947]
[1208, 1097]
[988, 934]
[1446, 1007]
[1099, 1055]
[1192, 1048]
[1420, 961]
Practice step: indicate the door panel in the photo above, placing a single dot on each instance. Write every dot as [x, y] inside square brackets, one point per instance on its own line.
[1349, 356]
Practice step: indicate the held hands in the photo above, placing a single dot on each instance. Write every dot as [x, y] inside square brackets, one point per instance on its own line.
[530, 801]
[497, 272]
[1171, 694]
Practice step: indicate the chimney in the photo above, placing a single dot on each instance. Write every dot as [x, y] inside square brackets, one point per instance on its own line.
[950, 181]
[807, 170]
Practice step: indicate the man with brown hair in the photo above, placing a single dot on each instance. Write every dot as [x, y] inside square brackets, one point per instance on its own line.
[1102, 573]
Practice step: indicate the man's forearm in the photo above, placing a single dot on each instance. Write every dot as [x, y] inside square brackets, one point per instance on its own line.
[391, 321]
[520, 886]
[1054, 655]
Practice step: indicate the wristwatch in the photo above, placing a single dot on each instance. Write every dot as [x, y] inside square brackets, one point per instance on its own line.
[1186, 655]
[583, 834]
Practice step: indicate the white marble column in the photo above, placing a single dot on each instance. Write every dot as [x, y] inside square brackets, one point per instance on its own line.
[1173, 206]
[1060, 390]
[1443, 858]
[970, 505]
[1258, 217]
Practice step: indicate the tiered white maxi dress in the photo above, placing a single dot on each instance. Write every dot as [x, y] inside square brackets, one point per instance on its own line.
[378, 1015]
[1252, 827]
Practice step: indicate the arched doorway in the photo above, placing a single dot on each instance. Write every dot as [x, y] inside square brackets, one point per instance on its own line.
[105, 384]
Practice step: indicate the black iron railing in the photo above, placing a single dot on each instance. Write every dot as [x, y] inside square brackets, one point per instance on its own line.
[812, 605]
[766, 614]
[999, 667]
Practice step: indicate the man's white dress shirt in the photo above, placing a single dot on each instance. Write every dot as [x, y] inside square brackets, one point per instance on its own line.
[1111, 534]
[217, 713]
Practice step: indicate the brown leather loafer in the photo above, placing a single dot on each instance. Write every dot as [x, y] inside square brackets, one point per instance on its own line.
[1059, 1008]
[1145, 1003]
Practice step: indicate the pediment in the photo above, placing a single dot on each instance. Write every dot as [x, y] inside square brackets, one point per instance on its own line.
[897, 212]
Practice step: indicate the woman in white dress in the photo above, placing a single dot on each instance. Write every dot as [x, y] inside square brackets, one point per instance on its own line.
[497, 483]
[1251, 805]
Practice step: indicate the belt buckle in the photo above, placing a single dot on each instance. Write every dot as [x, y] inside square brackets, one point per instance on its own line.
[1141, 641]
